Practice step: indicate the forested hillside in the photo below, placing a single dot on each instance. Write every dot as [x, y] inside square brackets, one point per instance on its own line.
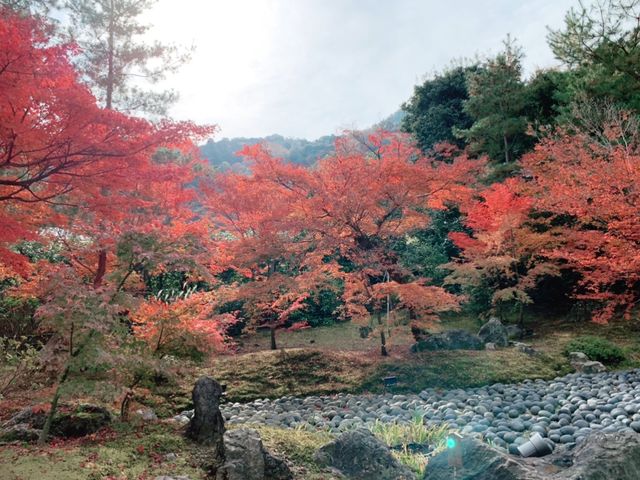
[223, 154]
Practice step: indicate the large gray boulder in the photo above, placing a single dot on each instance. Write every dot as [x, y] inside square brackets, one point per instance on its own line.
[479, 462]
[247, 459]
[578, 357]
[601, 456]
[581, 363]
[25, 426]
[27, 416]
[84, 420]
[606, 456]
[494, 332]
[275, 468]
[359, 455]
[244, 455]
[20, 432]
[589, 367]
[449, 340]
[79, 421]
[514, 332]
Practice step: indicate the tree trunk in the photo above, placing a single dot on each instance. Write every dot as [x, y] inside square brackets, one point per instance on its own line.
[383, 338]
[110, 58]
[383, 344]
[273, 337]
[507, 157]
[124, 406]
[102, 268]
[44, 434]
[63, 378]
[521, 320]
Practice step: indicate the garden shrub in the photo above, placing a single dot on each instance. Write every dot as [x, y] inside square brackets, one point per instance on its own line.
[598, 349]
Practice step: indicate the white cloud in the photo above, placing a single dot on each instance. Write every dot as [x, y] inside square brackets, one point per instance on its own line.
[309, 67]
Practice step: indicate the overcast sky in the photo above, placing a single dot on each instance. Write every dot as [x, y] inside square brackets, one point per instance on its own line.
[307, 68]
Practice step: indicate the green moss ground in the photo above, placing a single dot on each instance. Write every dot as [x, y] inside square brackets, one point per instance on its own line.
[122, 454]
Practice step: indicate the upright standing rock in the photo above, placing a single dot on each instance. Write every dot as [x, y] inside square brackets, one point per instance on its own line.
[207, 425]
[494, 332]
[244, 455]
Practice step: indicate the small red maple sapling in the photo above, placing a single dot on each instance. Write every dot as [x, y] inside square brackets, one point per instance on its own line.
[502, 252]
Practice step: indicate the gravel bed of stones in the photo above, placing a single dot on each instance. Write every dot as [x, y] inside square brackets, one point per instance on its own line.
[565, 409]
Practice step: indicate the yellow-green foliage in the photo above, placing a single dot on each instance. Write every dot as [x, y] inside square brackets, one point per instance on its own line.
[401, 435]
[298, 445]
[289, 372]
[415, 461]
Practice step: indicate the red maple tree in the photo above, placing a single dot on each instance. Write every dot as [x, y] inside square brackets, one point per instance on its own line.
[592, 193]
[339, 219]
[502, 253]
[65, 162]
[256, 239]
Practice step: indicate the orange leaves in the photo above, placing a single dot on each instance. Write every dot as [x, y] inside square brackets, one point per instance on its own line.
[496, 221]
[427, 301]
[66, 163]
[191, 320]
[593, 196]
[503, 208]
[284, 220]
[369, 191]
[502, 252]
[587, 204]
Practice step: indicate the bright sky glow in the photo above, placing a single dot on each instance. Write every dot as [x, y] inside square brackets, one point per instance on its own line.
[307, 68]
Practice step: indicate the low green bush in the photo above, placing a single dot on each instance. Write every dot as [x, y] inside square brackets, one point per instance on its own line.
[19, 361]
[17, 317]
[152, 376]
[598, 349]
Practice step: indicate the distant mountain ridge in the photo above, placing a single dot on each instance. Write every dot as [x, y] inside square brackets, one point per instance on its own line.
[222, 153]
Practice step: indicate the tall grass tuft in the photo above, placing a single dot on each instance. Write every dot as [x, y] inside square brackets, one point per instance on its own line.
[402, 436]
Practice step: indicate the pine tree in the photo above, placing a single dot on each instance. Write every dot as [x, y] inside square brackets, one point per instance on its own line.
[30, 7]
[601, 43]
[114, 59]
[497, 104]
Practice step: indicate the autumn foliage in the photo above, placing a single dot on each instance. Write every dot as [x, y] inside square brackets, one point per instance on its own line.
[66, 162]
[592, 193]
[185, 321]
[126, 201]
[111, 191]
[335, 222]
[501, 251]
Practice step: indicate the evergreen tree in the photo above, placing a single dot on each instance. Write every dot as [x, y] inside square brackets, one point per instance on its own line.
[547, 96]
[497, 105]
[114, 59]
[436, 109]
[31, 7]
[601, 43]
